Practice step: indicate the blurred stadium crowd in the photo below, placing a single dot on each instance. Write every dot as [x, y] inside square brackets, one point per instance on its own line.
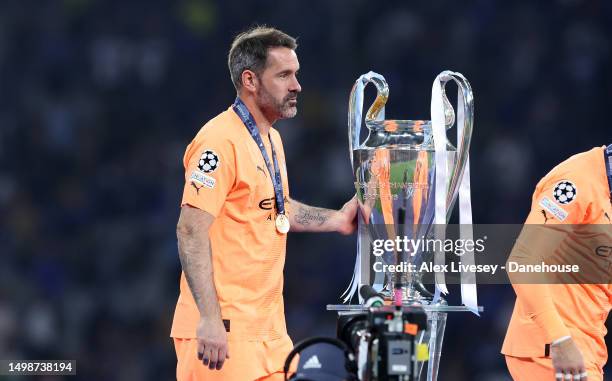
[98, 100]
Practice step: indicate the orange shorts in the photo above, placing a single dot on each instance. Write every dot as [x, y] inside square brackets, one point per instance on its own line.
[541, 369]
[249, 361]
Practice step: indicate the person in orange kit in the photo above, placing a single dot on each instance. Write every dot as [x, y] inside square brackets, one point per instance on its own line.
[557, 330]
[229, 321]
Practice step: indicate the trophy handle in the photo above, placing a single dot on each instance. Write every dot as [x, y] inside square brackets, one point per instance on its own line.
[375, 112]
[466, 114]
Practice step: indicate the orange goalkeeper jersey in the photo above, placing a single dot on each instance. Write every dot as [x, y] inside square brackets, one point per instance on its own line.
[574, 192]
[226, 176]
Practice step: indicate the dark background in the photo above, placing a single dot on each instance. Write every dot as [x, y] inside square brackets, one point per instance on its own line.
[98, 100]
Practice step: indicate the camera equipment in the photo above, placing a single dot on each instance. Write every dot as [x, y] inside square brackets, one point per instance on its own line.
[384, 339]
[379, 344]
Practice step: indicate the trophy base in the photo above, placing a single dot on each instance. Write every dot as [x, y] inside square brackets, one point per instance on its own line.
[414, 295]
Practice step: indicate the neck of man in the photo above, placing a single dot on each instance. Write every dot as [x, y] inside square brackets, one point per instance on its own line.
[264, 122]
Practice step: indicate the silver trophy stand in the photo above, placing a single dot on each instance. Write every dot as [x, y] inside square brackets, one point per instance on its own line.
[433, 336]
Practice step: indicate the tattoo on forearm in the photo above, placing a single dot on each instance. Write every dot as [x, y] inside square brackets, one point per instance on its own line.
[315, 216]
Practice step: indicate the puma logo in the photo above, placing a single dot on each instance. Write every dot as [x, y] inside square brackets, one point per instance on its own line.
[197, 188]
[546, 218]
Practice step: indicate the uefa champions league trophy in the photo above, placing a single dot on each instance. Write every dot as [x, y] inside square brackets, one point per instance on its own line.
[408, 177]
[397, 173]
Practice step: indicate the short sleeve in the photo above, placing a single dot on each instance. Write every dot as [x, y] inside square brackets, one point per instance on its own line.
[561, 199]
[210, 170]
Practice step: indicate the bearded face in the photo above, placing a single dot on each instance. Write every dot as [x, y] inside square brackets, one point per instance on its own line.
[282, 106]
[278, 85]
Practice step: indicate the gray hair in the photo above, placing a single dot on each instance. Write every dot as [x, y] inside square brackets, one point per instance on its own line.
[249, 50]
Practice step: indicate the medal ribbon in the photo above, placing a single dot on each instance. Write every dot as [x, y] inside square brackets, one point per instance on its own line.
[608, 160]
[243, 113]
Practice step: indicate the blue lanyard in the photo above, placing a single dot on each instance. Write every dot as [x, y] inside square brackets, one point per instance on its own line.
[608, 160]
[246, 117]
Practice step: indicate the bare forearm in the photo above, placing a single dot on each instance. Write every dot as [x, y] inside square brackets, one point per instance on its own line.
[306, 218]
[195, 254]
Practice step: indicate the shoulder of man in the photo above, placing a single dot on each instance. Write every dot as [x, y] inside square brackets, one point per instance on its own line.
[564, 193]
[210, 163]
[226, 126]
[219, 135]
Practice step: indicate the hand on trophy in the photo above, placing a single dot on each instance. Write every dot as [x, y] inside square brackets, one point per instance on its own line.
[346, 217]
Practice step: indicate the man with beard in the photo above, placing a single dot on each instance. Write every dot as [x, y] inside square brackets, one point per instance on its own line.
[229, 321]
